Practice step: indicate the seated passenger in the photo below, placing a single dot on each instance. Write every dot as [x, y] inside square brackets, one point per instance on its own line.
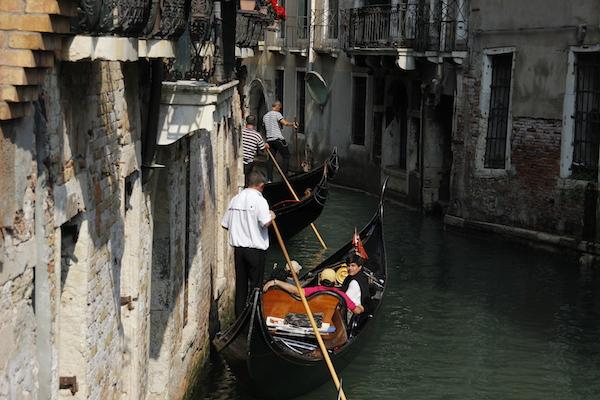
[356, 284]
[326, 282]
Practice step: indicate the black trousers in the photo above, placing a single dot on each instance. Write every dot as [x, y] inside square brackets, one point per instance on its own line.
[247, 170]
[249, 272]
[278, 146]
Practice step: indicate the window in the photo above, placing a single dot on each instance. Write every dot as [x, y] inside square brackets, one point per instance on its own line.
[332, 26]
[359, 100]
[587, 117]
[499, 104]
[300, 98]
[279, 74]
[282, 22]
[302, 19]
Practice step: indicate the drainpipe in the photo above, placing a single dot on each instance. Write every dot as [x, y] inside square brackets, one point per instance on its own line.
[311, 37]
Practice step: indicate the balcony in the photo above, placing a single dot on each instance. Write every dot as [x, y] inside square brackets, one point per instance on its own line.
[411, 27]
[292, 36]
[250, 29]
[325, 30]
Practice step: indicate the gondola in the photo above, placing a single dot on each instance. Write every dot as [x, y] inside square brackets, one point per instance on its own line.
[274, 365]
[295, 215]
[276, 192]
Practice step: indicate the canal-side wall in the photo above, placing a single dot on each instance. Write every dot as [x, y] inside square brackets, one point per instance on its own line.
[536, 190]
[78, 248]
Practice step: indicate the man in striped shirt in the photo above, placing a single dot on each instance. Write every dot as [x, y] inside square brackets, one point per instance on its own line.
[274, 121]
[251, 143]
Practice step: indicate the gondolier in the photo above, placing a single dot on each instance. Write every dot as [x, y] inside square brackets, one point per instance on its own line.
[252, 142]
[274, 121]
[247, 218]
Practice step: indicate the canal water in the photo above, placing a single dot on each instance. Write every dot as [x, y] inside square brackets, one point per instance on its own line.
[465, 316]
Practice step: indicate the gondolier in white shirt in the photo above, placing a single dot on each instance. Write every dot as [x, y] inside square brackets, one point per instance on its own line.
[252, 142]
[247, 218]
[274, 121]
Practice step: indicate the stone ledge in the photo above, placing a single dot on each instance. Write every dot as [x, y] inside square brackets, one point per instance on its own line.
[26, 58]
[156, 48]
[21, 76]
[17, 94]
[189, 106]
[14, 110]
[80, 47]
[555, 241]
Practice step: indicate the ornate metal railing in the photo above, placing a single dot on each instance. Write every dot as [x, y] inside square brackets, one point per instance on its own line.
[250, 27]
[410, 24]
[325, 29]
[132, 18]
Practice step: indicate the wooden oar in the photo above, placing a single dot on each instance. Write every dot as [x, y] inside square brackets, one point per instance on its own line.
[310, 315]
[291, 189]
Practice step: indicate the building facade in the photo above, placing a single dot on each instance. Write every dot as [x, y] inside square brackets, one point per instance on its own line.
[376, 81]
[525, 145]
[114, 271]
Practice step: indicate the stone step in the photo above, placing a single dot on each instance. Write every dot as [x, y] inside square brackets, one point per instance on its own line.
[56, 7]
[14, 110]
[34, 22]
[22, 76]
[26, 58]
[34, 41]
[19, 94]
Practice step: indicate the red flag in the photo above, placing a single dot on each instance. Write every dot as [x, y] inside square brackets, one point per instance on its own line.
[358, 246]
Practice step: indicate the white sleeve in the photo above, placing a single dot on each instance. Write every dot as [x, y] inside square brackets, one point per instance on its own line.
[226, 218]
[354, 292]
[263, 213]
[279, 116]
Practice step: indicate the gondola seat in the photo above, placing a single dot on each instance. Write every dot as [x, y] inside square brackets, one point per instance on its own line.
[279, 303]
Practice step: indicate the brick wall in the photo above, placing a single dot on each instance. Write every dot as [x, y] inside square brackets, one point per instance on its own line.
[531, 193]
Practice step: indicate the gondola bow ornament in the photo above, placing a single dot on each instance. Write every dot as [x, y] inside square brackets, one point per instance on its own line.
[358, 246]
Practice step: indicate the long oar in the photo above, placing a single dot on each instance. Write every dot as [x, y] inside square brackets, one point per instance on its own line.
[309, 314]
[291, 189]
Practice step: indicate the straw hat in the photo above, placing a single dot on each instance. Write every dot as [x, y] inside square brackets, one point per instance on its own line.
[327, 274]
[341, 274]
[297, 267]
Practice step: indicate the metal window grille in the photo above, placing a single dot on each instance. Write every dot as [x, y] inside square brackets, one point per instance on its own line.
[301, 100]
[497, 129]
[587, 117]
[359, 97]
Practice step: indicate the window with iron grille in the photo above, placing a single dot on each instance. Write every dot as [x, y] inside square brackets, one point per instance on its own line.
[279, 86]
[301, 98]
[282, 26]
[587, 117]
[359, 103]
[332, 20]
[497, 129]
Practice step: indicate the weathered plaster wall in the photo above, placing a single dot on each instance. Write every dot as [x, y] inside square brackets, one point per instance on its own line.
[530, 193]
[77, 240]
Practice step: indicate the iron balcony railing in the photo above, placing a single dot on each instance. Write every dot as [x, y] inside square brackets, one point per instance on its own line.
[411, 24]
[293, 34]
[325, 29]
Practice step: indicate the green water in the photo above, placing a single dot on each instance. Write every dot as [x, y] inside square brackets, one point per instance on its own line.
[465, 316]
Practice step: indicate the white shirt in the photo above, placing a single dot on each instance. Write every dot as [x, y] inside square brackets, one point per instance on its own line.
[271, 121]
[246, 217]
[354, 292]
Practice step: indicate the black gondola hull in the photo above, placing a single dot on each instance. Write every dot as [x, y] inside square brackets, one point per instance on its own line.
[268, 370]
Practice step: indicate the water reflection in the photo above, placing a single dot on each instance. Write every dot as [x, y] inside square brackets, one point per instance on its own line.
[466, 316]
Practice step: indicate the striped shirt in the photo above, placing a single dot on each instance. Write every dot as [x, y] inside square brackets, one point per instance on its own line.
[251, 143]
[271, 121]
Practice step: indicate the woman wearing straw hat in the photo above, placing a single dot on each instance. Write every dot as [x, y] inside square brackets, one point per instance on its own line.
[327, 280]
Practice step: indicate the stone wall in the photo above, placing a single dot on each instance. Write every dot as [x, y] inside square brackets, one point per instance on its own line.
[79, 248]
[530, 194]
